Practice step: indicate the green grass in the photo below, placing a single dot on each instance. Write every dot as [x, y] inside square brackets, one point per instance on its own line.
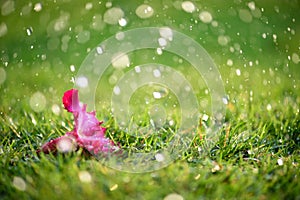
[243, 164]
[257, 152]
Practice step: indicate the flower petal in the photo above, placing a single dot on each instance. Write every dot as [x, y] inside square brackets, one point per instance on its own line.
[71, 100]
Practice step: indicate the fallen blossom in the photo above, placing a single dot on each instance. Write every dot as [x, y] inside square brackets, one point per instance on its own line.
[87, 133]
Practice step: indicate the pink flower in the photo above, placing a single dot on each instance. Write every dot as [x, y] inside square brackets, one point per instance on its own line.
[87, 132]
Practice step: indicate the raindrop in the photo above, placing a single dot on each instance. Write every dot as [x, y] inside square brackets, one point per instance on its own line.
[97, 22]
[238, 72]
[122, 22]
[269, 107]
[156, 73]
[245, 15]
[19, 183]
[205, 17]
[120, 61]
[229, 62]
[159, 51]
[251, 5]
[29, 31]
[38, 102]
[144, 11]
[99, 50]
[205, 117]
[65, 145]
[82, 82]
[3, 29]
[89, 6]
[137, 69]
[37, 7]
[157, 95]
[2, 75]
[113, 15]
[162, 42]
[72, 68]
[223, 40]
[159, 157]
[85, 176]
[166, 33]
[83, 37]
[55, 109]
[173, 196]
[295, 58]
[188, 6]
[114, 187]
[8, 7]
[225, 100]
[108, 4]
[280, 161]
[117, 90]
[120, 36]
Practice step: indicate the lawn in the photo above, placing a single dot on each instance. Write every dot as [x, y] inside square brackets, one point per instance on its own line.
[255, 48]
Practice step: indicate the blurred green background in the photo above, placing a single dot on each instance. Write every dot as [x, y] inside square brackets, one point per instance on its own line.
[255, 44]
